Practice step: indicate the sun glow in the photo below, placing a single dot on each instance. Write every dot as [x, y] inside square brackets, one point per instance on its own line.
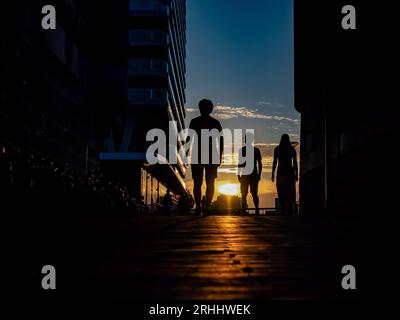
[230, 189]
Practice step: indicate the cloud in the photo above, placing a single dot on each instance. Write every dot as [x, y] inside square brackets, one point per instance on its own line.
[225, 112]
[266, 145]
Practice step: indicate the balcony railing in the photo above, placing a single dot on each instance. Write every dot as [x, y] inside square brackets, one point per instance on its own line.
[155, 97]
[148, 37]
[144, 8]
[147, 67]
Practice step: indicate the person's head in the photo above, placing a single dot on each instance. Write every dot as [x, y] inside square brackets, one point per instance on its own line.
[285, 141]
[206, 107]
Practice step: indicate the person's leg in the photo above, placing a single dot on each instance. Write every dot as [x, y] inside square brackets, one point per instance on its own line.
[244, 203]
[254, 194]
[209, 191]
[256, 203]
[244, 189]
[290, 208]
[292, 203]
[197, 175]
[281, 186]
[197, 192]
[211, 175]
[283, 207]
[282, 202]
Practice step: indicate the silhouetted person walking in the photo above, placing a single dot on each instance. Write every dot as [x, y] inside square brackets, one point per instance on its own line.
[287, 174]
[250, 180]
[205, 121]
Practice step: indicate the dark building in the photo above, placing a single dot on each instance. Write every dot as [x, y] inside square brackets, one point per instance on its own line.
[44, 83]
[86, 94]
[346, 100]
[153, 75]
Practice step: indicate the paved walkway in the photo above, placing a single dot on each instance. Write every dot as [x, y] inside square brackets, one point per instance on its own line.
[218, 257]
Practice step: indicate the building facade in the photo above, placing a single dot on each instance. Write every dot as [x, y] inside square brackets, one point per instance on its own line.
[44, 83]
[86, 94]
[155, 95]
[346, 101]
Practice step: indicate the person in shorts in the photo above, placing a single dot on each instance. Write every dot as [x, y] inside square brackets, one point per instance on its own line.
[209, 169]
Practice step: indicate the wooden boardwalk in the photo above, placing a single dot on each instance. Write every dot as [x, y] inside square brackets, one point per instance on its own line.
[216, 257]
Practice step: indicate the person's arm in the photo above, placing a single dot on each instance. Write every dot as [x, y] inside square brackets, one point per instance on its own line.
[187, 140]
[239, 174]
[296, 168]
[221, 144]
[274, 165]
[239, 167]
[259, 163]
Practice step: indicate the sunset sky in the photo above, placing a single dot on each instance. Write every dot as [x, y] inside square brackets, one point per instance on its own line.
[241, 57]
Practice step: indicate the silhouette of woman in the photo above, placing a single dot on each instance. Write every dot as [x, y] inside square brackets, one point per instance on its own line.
[287, 175]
